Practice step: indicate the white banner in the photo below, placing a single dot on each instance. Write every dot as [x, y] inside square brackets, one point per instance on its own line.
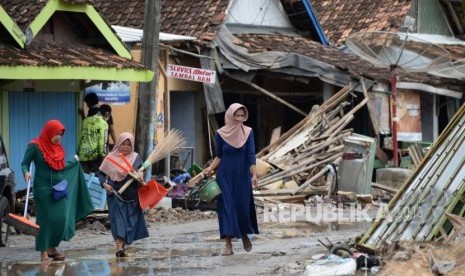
[191, 73]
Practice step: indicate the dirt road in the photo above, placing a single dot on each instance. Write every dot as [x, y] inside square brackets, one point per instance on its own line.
[180, 247]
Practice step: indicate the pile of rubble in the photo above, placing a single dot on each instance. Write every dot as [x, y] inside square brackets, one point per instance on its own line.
[177, 215]
[298, 163]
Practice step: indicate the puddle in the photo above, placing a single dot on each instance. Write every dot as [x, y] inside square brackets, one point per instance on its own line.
[198, 237]
[93, 268]
[305, 228]
[102, 261]
[155, 257]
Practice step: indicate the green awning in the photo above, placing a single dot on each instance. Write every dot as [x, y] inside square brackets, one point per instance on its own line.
[20, 72]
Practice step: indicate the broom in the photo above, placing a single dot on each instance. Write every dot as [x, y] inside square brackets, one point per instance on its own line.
[21, 222]
[172, 143]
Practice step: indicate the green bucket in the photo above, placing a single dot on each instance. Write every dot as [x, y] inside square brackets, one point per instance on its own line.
[210, 191]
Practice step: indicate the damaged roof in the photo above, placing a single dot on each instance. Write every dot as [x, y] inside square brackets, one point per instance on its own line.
[192, 18]
[256, 43]
[419, 211]
[340, 18]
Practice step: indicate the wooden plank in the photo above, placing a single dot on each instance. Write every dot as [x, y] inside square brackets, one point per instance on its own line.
[382, 156]
[275, 134]
[383, 187]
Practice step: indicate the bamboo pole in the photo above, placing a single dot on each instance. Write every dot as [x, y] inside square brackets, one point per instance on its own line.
[268, 93]
[309, 119]
[296, 170]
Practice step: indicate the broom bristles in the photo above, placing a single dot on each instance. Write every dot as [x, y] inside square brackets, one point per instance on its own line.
[172, 143]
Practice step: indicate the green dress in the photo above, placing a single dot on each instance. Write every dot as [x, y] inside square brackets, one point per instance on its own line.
[57, 219]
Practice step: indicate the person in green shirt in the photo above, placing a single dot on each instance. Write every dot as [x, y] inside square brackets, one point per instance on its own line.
[92, 144]
[56, 219]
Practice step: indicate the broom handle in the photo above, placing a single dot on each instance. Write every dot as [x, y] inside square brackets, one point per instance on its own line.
[126, 185]
[129, 165]
[27, 191]
[126, 170]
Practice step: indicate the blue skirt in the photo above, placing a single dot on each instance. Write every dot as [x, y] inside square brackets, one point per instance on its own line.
[127, 219]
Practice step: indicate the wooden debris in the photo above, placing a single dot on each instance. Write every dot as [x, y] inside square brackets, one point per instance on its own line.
[416, 153]
[458, 232]
[384, 187]
[306, 152]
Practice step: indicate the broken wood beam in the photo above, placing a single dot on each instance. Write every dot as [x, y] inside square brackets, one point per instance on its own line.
[316, 111]
[383, 187]
[268, 93]
[295, 170]
[316, 176]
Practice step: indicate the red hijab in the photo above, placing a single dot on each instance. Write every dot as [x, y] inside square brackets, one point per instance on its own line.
[54, 154]
[234, 132]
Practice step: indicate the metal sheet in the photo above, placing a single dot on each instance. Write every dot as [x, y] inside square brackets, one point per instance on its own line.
[417, 212]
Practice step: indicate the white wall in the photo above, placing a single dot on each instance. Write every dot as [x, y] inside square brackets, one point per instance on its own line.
[258, 12]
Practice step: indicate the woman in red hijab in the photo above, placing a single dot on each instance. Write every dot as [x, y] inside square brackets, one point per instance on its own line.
[236, 176]
[56, 218]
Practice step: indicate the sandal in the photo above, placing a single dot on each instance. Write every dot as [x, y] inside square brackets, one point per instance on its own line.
[57, 256]
[121, 253]
[247, 244]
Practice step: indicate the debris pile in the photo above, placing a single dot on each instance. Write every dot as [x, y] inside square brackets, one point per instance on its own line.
[425, 258]
[297, 164]
[178, 215]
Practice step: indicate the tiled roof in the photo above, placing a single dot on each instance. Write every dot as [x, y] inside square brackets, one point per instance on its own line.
[347, 62]
[340, 18]
[55, 54]
[122, 12]
[200, 18]
[24, 11]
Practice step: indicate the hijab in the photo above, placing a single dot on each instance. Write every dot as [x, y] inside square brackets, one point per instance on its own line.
[54, 154]
[110, 169]
[234, 132]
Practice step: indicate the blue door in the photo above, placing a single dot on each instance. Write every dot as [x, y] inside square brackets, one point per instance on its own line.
[28, 112]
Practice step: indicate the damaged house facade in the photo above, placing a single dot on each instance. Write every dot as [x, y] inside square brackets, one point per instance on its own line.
[280, 58]
[49, 52]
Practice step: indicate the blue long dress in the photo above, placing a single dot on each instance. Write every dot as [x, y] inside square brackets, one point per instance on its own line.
[126, 217]
[236, 207]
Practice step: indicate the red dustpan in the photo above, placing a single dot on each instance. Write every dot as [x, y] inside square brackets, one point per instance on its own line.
[151, 194]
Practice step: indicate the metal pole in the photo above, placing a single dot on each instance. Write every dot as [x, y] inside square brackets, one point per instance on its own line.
[394, 114]
[146, 110]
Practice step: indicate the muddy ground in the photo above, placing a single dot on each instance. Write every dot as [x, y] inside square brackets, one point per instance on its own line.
[182, 242]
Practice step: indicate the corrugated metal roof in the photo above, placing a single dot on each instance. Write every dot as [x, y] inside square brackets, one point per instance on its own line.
[135, 35]
[418, 211]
